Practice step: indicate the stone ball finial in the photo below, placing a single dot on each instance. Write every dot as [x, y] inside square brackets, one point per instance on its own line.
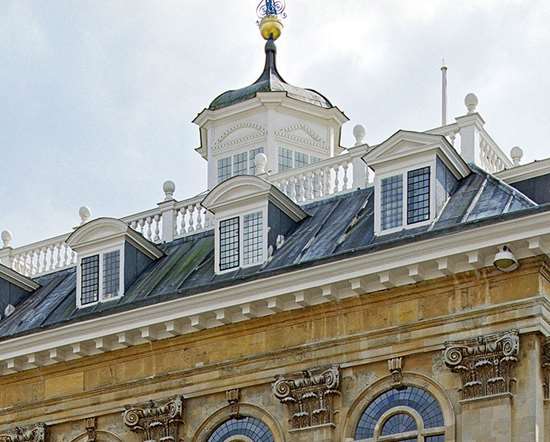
[516, 154]
[359, 133]
[85, 214]
[169, 187]
[471, 101]
[260, 161]
[7, 238]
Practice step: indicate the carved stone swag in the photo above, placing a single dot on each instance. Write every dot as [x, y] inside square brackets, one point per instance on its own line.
[310, 398]
[37, 433]
[485, 364]
[156, 421]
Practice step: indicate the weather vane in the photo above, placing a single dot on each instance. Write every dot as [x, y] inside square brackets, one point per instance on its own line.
[269, 14]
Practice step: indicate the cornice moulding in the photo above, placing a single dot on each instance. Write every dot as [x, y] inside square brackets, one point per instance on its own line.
[344, 269]
[525, 171]
[17, 279]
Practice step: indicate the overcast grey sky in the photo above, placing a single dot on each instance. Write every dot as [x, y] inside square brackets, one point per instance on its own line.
[97, 96]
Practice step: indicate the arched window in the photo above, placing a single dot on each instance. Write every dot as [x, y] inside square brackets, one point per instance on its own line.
[410, 414]
[245, 429]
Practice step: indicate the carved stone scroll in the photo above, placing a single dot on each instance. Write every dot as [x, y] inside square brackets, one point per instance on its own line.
[156, 422]
[486, 364]
[310, 398]
[395, 366]
[546, 368]
[35, 433]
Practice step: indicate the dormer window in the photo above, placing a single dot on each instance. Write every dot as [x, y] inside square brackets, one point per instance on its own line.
[110, 257]
[101, 277]
[414, 176]
[244, 248]
[250, 215]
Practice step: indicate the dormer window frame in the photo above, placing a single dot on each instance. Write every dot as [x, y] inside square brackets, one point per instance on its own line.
[403, 169]
[101, 297]
[241, 214]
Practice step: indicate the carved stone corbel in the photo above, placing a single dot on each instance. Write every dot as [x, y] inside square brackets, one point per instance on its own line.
[546, 368]
[233, 398]
[310, 398]
[485, 364]
[156, 422]
[91, 429]
[36, 433]
[395, 366]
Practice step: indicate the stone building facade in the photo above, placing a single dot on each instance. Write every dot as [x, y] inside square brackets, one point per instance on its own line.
[298, 304]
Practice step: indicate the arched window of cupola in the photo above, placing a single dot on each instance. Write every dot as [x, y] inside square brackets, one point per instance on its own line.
[408, 414]
[244, 429]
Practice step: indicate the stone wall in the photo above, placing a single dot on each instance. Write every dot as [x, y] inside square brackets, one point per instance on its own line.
[355, 338]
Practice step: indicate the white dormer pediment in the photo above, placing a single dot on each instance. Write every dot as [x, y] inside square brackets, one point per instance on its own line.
[240, 134]
[405, 147]
[103, 233]
[302, 135]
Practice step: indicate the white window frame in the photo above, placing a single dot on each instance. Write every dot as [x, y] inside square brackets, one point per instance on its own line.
[231, 157]
[265, 230]
[378, 197]
[101, 297]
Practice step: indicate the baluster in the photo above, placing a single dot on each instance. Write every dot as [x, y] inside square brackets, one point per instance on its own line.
[48, 261]
[68, 255]
[191, 210]
[199, 217]
[41, 259]
[140, 224]
[345, 166]
[337, 179]
[292, 189]
[149, 228]
[325, 183]
[157, 228]
[299, 189]
[59, 255]
[181, 214]
[317, 184]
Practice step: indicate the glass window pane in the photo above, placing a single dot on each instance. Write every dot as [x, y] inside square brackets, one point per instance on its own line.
[246, 426]
[418, 195]
[285, 159]
[314, 160]
[416, 398]
[300, 159]
[89, 283]
[253, 238]
[251, 157]
[391, 202]
[229, 243]
[111, 274]
[224, 169]
[399, 423]
[240, 164]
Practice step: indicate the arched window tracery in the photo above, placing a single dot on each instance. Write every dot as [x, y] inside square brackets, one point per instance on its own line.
[244, 429]
[409, 414]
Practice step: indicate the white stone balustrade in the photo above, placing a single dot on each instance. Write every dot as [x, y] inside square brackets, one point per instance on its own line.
[325, 178]
[173, 219]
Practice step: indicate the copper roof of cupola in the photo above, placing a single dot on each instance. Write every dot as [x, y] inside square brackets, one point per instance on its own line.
[270, 81]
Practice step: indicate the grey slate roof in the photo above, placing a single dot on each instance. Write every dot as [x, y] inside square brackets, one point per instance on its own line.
[269, 81]
[337, 227]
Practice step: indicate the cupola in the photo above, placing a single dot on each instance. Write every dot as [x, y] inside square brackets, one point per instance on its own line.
[292, 126]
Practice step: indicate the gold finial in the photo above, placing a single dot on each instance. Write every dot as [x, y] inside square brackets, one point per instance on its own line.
[271, 27]
[270, 13]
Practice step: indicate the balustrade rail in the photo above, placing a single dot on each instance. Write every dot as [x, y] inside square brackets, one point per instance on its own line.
[175, 219]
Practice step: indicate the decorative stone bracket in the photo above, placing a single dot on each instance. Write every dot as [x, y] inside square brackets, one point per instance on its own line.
[156, 422]
[91, 429]
[310, 398]
[36, 433]
[486, 364]
[395, 366]
[233, 398]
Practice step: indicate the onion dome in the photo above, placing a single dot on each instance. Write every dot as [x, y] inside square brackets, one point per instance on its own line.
[270, 81]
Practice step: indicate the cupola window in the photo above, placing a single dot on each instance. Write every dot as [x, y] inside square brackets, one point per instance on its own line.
[291, 159]
[238, 164]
